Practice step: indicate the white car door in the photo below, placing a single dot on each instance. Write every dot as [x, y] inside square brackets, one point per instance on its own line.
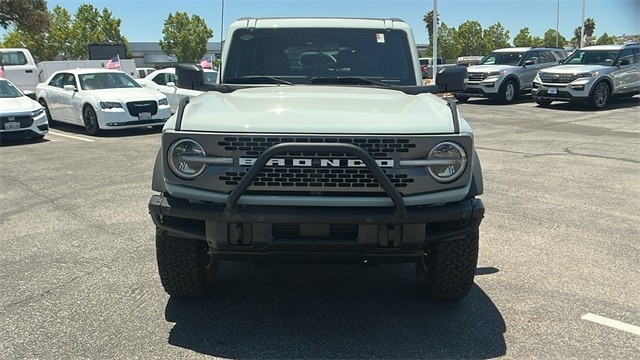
[68, 100]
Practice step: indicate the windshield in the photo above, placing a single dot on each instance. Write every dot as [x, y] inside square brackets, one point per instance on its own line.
[502, 58]
[300, 55]
[106, 80]
[592, 57]
[7, 90]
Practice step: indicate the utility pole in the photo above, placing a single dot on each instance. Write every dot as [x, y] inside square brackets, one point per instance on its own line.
[584, 5]
[557, 23]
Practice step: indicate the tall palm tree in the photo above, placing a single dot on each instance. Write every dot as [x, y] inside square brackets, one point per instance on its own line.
[428, 20]
[589, 26]
[577, 33]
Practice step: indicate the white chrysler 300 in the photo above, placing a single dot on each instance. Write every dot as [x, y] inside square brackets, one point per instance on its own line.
[101, 99]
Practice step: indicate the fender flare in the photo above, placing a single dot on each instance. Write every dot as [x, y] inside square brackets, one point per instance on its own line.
[157, 181]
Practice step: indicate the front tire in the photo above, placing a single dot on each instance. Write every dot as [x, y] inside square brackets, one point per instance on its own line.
[447, 269]
[600, 96]
[508, 92]
[462, 99]
[52, 122]
[90, 119]
[186, 267]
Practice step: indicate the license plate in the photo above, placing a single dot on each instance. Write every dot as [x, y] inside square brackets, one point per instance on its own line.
[12, 125]
[552, 91]
[144, 116]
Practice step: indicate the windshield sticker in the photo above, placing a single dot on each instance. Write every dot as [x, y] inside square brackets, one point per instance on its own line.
[380, 38]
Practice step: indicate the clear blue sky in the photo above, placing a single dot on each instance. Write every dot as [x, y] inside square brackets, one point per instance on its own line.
[142, 20]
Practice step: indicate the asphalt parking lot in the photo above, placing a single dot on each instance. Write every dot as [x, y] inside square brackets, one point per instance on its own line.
[558, 274]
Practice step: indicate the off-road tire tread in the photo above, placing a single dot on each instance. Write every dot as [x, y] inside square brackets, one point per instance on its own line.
[450, 268]
[181, 266]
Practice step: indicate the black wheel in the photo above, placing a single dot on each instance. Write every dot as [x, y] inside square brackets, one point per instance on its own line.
[447, 269]
[543, 102]
[508, 92]
[185, 266]
[600, 96]
[462, 99]
[90, 120]
[46, 110]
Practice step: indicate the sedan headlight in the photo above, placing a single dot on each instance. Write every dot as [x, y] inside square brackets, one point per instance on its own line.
[163, 101]
[180, 158]
[110, 105]
[37, 113]
[448, 161]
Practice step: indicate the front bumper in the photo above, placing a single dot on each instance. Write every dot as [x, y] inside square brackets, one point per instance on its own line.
[36, 127]
[577, 91]
[120, 119]
[487, 88]
[255, 232]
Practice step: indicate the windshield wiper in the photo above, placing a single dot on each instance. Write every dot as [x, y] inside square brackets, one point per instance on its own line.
[261, 79]
[349, 80]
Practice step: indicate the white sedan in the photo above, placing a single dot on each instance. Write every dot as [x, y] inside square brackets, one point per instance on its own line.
[164, 80]
[101, 99]
[20, 116]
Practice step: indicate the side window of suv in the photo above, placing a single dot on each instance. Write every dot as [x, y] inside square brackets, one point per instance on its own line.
[545, 56]
[637, 55]
[626, 57]
[532, 55]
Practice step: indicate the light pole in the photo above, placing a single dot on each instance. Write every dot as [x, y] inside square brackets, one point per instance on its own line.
[584, 5]
[434, 66]
[557, 22]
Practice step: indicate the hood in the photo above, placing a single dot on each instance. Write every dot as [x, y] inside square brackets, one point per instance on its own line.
[126, 94]
[574, 69]
[488, 68]
[317, 109]
[20, 104]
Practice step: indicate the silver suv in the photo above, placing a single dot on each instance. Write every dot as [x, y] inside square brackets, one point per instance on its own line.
[593, 74]
[504, 74]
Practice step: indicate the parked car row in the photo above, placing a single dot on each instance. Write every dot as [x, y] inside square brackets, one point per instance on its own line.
[592, 74]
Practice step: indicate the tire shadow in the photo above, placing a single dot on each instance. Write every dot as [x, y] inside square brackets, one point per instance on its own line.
[332, 311]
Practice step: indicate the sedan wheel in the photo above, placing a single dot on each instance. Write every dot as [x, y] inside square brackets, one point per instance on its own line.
[90, 120]
[46, 110]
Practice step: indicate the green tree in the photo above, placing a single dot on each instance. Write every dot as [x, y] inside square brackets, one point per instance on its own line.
[605, 39]
[447, 44]
[185, 38]
[58, 38]
[29, 16]
[36, 43]
[469, 38]
[495, 37]
[428, 20]
[523, 38]
[577, 33]
[550, 39]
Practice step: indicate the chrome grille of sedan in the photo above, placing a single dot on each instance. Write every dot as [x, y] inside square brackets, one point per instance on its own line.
[24, 120]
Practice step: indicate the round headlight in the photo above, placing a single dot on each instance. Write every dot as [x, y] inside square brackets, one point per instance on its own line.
[181, 158]
[450, 161]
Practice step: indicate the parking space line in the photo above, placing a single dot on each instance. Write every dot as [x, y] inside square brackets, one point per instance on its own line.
[70, 136]
[612, 323]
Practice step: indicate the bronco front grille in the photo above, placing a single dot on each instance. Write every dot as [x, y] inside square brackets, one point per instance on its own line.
[377, 147]
[317, 178]
[558, 78]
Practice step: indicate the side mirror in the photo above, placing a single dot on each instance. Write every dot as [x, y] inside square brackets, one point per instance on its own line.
[171, 84]
[624, 62]
[452, 78]
[69, 88]
[189, 76]
[529, 62]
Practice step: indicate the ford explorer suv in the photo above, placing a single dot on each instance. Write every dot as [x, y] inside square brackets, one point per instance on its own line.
[592, 75]
[505, 74]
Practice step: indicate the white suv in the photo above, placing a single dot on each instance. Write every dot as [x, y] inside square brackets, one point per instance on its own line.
[593, 74]
[504, 74]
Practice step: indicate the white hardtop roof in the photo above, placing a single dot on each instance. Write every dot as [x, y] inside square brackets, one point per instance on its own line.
[310, 22]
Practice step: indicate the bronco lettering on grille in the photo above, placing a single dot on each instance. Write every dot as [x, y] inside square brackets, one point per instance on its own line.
[317, 162]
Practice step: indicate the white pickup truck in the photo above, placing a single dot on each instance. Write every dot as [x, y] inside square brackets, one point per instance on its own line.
[319, 143]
